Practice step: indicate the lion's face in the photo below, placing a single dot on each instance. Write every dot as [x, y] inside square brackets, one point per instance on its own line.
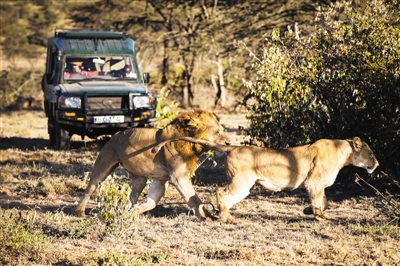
[363, 156]
[201, 125]
[214, 132]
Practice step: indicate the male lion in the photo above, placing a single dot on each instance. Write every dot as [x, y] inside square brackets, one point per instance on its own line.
[174, 164]
[313, 167]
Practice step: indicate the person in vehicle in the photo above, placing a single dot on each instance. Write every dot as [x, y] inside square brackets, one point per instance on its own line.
[75, 67]
[128, 73]
[72, 69]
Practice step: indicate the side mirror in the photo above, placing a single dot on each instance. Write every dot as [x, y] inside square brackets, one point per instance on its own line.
[146, 77]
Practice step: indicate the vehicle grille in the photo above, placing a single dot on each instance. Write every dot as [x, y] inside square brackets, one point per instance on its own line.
[108, 103]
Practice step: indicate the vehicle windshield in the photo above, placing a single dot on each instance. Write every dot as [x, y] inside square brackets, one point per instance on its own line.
[77, 68]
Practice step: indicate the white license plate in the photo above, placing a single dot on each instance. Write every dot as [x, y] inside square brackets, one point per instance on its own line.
[109, 119]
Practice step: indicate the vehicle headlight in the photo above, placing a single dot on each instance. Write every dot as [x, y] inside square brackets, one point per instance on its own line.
[69, 102]
[142, 102]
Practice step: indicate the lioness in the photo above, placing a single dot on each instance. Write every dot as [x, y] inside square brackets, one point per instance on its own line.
[174, 164]
[313, 167]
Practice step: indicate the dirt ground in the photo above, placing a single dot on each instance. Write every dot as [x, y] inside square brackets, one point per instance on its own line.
[36, 180]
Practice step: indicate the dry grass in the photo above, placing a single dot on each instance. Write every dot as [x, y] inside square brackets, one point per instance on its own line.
[39, 187]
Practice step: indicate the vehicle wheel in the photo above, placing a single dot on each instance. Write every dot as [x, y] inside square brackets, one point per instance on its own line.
[52, 133]
[61, 137]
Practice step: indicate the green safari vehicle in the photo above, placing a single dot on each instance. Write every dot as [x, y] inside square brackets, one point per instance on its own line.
[93, 86]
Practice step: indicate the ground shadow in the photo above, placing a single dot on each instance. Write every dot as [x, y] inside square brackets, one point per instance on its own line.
[19, 205]
[32, 144]
[164, 210]
[296, 218]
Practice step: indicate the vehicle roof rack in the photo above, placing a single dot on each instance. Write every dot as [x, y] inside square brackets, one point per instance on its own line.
[91, 34]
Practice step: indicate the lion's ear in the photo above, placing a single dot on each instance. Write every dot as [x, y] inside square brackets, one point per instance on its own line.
[357, 143]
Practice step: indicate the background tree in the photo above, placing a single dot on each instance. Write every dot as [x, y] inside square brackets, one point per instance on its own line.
[24, 29]
[189, 42]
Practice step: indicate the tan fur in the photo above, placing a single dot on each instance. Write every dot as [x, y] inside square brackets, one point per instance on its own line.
[313, 167]
[173, 164]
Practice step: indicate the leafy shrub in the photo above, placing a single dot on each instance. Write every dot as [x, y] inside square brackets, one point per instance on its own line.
[166, 109]
[20, 237]
[115, 207]
[153, 257]
[46, 187]
[342, 81]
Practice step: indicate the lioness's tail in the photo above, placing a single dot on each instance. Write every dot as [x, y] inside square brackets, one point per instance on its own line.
[210, 145]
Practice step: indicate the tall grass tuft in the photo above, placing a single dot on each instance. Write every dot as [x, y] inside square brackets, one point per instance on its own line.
[115, 207]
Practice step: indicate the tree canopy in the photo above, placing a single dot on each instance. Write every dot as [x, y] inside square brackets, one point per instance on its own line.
[195, 43]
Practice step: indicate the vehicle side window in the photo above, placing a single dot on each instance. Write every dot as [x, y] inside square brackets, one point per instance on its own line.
[50, 67]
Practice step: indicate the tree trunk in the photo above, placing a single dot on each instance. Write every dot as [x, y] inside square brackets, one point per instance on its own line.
[164, 78]
[185, 91]
[220, 99]
[187, 82]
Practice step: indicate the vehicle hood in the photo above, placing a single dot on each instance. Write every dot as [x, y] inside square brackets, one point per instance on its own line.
[109, 87]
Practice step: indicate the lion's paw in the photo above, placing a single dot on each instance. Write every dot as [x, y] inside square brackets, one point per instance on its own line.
[80, 212]
[232, 220]
[322, 219]
[227, 218]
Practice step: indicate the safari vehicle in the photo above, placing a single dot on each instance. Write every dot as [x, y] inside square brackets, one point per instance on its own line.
[93, 86]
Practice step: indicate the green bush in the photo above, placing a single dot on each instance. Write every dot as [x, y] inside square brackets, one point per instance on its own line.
[20, 237]
[166, 109]
[115, 207]
[340, 82]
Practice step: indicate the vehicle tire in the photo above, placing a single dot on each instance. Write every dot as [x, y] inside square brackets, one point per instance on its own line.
[62, 138]
[52, 133]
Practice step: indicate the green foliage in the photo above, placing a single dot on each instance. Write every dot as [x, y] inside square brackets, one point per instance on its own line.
[26, 26]
[166, 109]
[20, 237]
[45, 187]
[24, 29]
[118, 258]
[342, 81]
[115, 207]
[153, 257]
[111, 258]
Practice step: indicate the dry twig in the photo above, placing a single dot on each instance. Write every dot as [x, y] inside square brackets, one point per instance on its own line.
[387, 203]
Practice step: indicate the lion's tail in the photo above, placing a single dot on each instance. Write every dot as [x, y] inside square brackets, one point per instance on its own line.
[210, 145]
